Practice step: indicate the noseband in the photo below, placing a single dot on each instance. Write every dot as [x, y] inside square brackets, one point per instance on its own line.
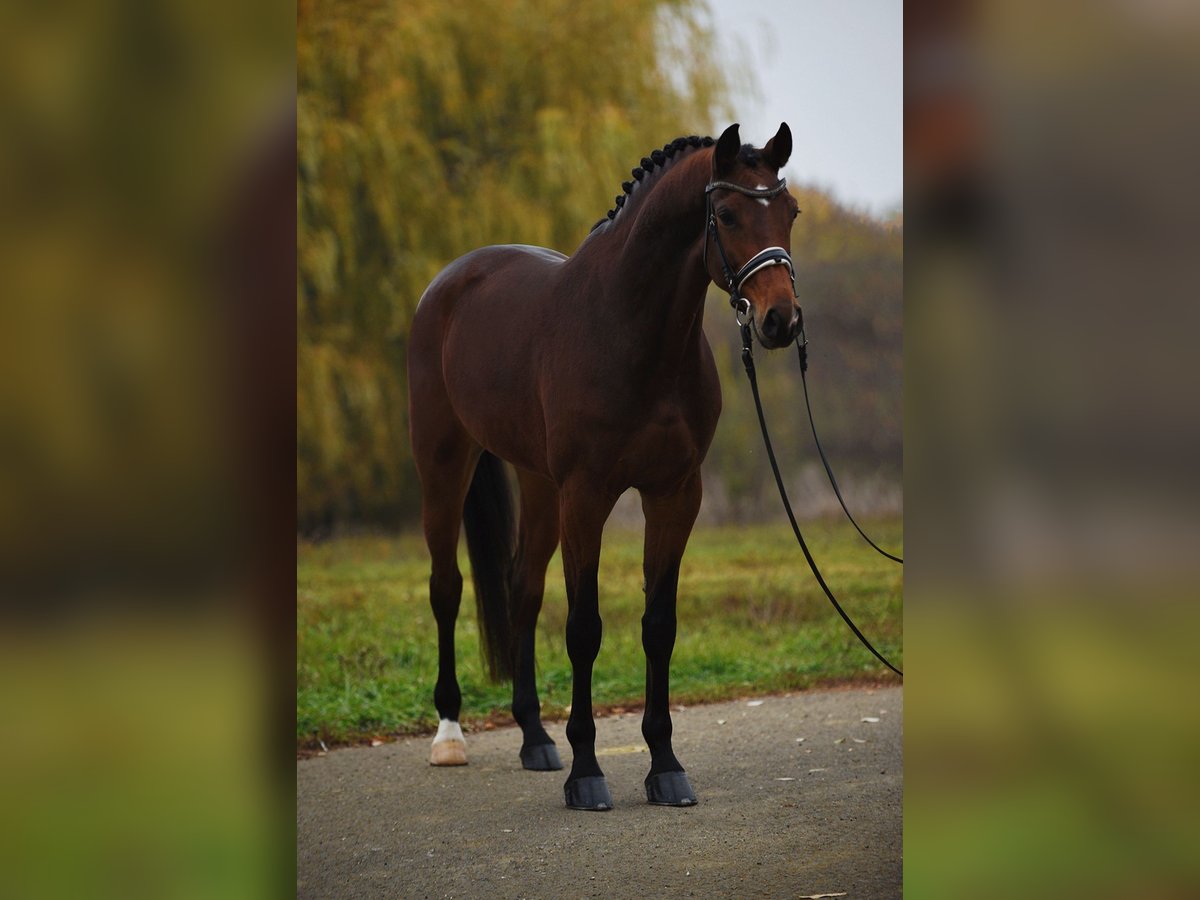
[771, 256]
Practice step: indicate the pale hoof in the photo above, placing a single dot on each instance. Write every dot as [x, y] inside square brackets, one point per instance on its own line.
[448, 753]
[449, 746]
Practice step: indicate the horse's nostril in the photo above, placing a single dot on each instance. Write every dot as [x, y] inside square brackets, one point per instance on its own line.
[771, 323]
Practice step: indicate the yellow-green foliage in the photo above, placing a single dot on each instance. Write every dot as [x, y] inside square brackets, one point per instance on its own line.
[426, 129]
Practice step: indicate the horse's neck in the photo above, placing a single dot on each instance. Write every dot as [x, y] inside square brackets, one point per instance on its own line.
[665, 225]
[653, 276]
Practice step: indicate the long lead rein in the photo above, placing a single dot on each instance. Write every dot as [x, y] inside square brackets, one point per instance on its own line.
[748, 362]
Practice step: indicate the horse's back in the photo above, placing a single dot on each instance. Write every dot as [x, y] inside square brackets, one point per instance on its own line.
[480, 273]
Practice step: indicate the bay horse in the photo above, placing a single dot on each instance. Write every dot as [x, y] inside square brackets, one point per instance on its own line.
[590, 375]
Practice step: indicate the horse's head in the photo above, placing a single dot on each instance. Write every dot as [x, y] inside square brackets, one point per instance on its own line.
[750, 216]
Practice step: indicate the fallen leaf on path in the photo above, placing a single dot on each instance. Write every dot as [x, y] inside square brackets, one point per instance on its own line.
[720, 721]
[375, 742]
[858, 740]
[616, 751]
[819, 896]
[799, 740]
[870, 719]
[786, 778]
[755, 702]
[840, 741]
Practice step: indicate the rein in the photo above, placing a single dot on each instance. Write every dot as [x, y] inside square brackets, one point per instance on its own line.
[741, 306]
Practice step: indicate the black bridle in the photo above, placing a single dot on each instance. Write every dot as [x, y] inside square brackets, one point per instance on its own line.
[774, 256]
[771, 256]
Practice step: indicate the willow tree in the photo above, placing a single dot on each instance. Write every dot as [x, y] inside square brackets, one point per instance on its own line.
[427, 128]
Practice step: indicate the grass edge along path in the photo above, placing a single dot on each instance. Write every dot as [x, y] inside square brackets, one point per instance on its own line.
[752, 621]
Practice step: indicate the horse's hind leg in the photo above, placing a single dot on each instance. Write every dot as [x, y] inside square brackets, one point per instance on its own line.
[669, 521]
[445, 478]
[537, 538]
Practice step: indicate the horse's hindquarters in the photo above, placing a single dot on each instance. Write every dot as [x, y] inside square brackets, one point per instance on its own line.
[478, 333]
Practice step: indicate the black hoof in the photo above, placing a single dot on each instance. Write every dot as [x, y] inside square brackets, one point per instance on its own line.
[541, 758]
[670, 789]
[588, 793]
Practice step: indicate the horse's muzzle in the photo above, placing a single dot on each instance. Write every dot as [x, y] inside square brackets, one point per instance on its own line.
[779, 326]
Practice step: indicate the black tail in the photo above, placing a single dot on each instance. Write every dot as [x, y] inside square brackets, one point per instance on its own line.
[490, 527]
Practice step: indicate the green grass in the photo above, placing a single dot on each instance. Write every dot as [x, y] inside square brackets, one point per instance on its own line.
[752, 620]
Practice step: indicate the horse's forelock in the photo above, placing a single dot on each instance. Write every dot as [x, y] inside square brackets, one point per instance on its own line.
[751, 157]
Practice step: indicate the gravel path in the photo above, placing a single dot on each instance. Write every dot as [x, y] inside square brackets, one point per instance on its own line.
[777, 817]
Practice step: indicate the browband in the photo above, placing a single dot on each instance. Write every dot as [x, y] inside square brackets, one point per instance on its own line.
[749, 192]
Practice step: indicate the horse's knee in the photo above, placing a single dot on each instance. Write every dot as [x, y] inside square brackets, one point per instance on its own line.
[584, 633]
[658, 633]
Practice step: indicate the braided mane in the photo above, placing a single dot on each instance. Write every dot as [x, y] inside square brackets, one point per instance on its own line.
[656, 159]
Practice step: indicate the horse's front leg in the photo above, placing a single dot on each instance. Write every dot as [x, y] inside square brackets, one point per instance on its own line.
[669, 522]
[583, 511]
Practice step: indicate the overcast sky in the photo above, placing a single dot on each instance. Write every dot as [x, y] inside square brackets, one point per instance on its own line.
[833, 70]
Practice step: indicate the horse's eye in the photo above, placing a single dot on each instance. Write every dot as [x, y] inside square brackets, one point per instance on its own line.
[726, 217]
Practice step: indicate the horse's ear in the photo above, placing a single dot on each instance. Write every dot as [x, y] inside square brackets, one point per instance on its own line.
[779, 148]
[728, 145]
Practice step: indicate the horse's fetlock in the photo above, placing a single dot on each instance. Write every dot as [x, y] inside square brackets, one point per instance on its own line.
[657, 731]
[581, 729]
